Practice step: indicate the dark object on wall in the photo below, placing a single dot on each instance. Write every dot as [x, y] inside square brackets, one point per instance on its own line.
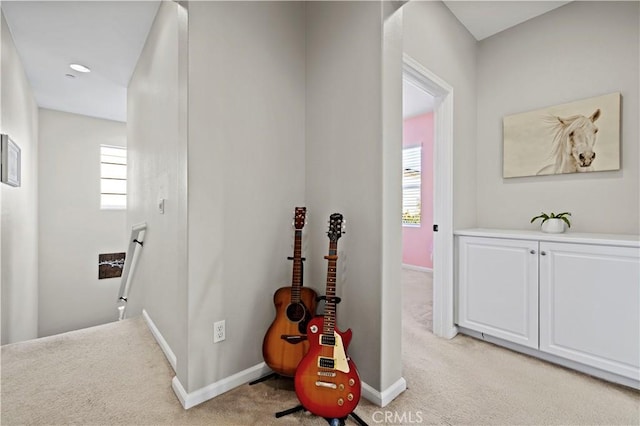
[10, 161]
[110, 265]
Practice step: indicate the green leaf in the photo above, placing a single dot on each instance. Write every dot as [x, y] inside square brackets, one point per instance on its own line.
[566, 221]
[543, 216]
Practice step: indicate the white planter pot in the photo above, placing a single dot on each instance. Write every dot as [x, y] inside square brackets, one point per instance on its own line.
[554, 226]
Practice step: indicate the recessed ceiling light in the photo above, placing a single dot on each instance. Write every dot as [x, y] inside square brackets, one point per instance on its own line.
[79, 68]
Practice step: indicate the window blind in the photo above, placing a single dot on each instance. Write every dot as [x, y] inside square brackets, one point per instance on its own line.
[411, 184]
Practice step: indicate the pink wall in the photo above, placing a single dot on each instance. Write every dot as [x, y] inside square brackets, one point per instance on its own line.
[417, 242]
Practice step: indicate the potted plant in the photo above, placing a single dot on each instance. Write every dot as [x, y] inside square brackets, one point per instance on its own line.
[553, 223]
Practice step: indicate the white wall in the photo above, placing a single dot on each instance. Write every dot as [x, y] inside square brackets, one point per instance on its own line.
[580, 50]
[73, 229]
[347, 172]
[156, 112]
[246, 174]
[254, 69]
[392, 123]
[344, 164]
[436, 39]
[19, 206]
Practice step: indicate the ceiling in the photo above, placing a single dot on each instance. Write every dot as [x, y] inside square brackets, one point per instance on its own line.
[483, 19]
[415, 101]
[486, 18]
[108, 36]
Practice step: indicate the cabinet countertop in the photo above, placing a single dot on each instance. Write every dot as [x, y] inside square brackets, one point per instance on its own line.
[622, 240]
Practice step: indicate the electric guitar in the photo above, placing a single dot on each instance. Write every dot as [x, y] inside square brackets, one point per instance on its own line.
[285, 342]
[326, 381]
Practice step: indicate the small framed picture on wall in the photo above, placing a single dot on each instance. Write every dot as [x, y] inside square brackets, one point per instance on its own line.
[10, 161]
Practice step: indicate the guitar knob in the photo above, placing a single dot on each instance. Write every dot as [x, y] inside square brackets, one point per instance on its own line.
[350, 397]
[352, 382]
[341, 386]
[340, 402]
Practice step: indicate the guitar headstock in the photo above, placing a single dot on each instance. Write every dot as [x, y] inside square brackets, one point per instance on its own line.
[299, 217]
[335, 227]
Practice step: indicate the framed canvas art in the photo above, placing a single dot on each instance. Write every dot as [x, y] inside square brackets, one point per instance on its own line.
[576, 137]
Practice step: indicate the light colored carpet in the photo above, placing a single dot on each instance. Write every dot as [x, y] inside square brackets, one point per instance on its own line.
[116, 374]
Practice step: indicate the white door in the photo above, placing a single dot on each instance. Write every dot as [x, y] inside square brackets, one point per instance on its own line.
[590, 305]
[498, 288]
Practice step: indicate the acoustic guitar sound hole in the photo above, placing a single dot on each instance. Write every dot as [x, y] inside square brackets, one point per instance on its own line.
[296, 312]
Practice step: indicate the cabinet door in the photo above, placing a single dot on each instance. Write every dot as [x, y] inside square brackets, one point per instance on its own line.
[498, 288]
[590, 305]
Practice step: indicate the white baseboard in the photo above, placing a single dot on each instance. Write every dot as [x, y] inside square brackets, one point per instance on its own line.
[574, 365]
[201, 395]
[383, 398]
[161, 342]
[417, 268]
[208, 392]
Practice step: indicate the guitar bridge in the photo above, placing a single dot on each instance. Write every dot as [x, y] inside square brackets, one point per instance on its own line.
[293, 338]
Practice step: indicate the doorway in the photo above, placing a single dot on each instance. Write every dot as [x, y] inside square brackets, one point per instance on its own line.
[442, 93]
[417, 203]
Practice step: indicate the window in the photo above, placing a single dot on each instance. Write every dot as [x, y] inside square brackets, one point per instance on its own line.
[411, 185]
[113, 177]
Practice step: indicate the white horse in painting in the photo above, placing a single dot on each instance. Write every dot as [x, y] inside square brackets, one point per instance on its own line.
[572, 148]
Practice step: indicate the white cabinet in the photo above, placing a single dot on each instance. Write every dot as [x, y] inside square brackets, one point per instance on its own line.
[568, 297]
[590, 305]
[498, 288]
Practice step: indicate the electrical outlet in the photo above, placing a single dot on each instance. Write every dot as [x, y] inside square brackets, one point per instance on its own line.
[219, 332]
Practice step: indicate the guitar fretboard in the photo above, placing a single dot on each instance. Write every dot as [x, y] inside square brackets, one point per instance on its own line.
[330, 304]
[296, 280]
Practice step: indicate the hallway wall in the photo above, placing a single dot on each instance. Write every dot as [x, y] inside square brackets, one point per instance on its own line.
[580, 50]
[73, 229]
[18, 205]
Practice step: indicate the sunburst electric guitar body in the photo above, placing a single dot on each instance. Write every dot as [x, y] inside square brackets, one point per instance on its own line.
[327, 381]
[285, 342]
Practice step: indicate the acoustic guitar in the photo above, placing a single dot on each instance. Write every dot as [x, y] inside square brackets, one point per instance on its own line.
[285, 342]
[326, 381]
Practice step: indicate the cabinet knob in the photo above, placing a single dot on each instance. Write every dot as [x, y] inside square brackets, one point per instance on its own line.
[532, 251]
[543, 253]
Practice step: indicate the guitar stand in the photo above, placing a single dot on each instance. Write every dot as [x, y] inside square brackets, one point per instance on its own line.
[332, 422]
[289, 411]
[265, 378]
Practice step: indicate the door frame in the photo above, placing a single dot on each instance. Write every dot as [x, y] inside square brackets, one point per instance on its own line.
[443, 286]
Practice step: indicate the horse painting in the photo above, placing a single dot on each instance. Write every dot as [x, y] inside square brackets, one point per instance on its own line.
[572, 148]
[558, 139]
